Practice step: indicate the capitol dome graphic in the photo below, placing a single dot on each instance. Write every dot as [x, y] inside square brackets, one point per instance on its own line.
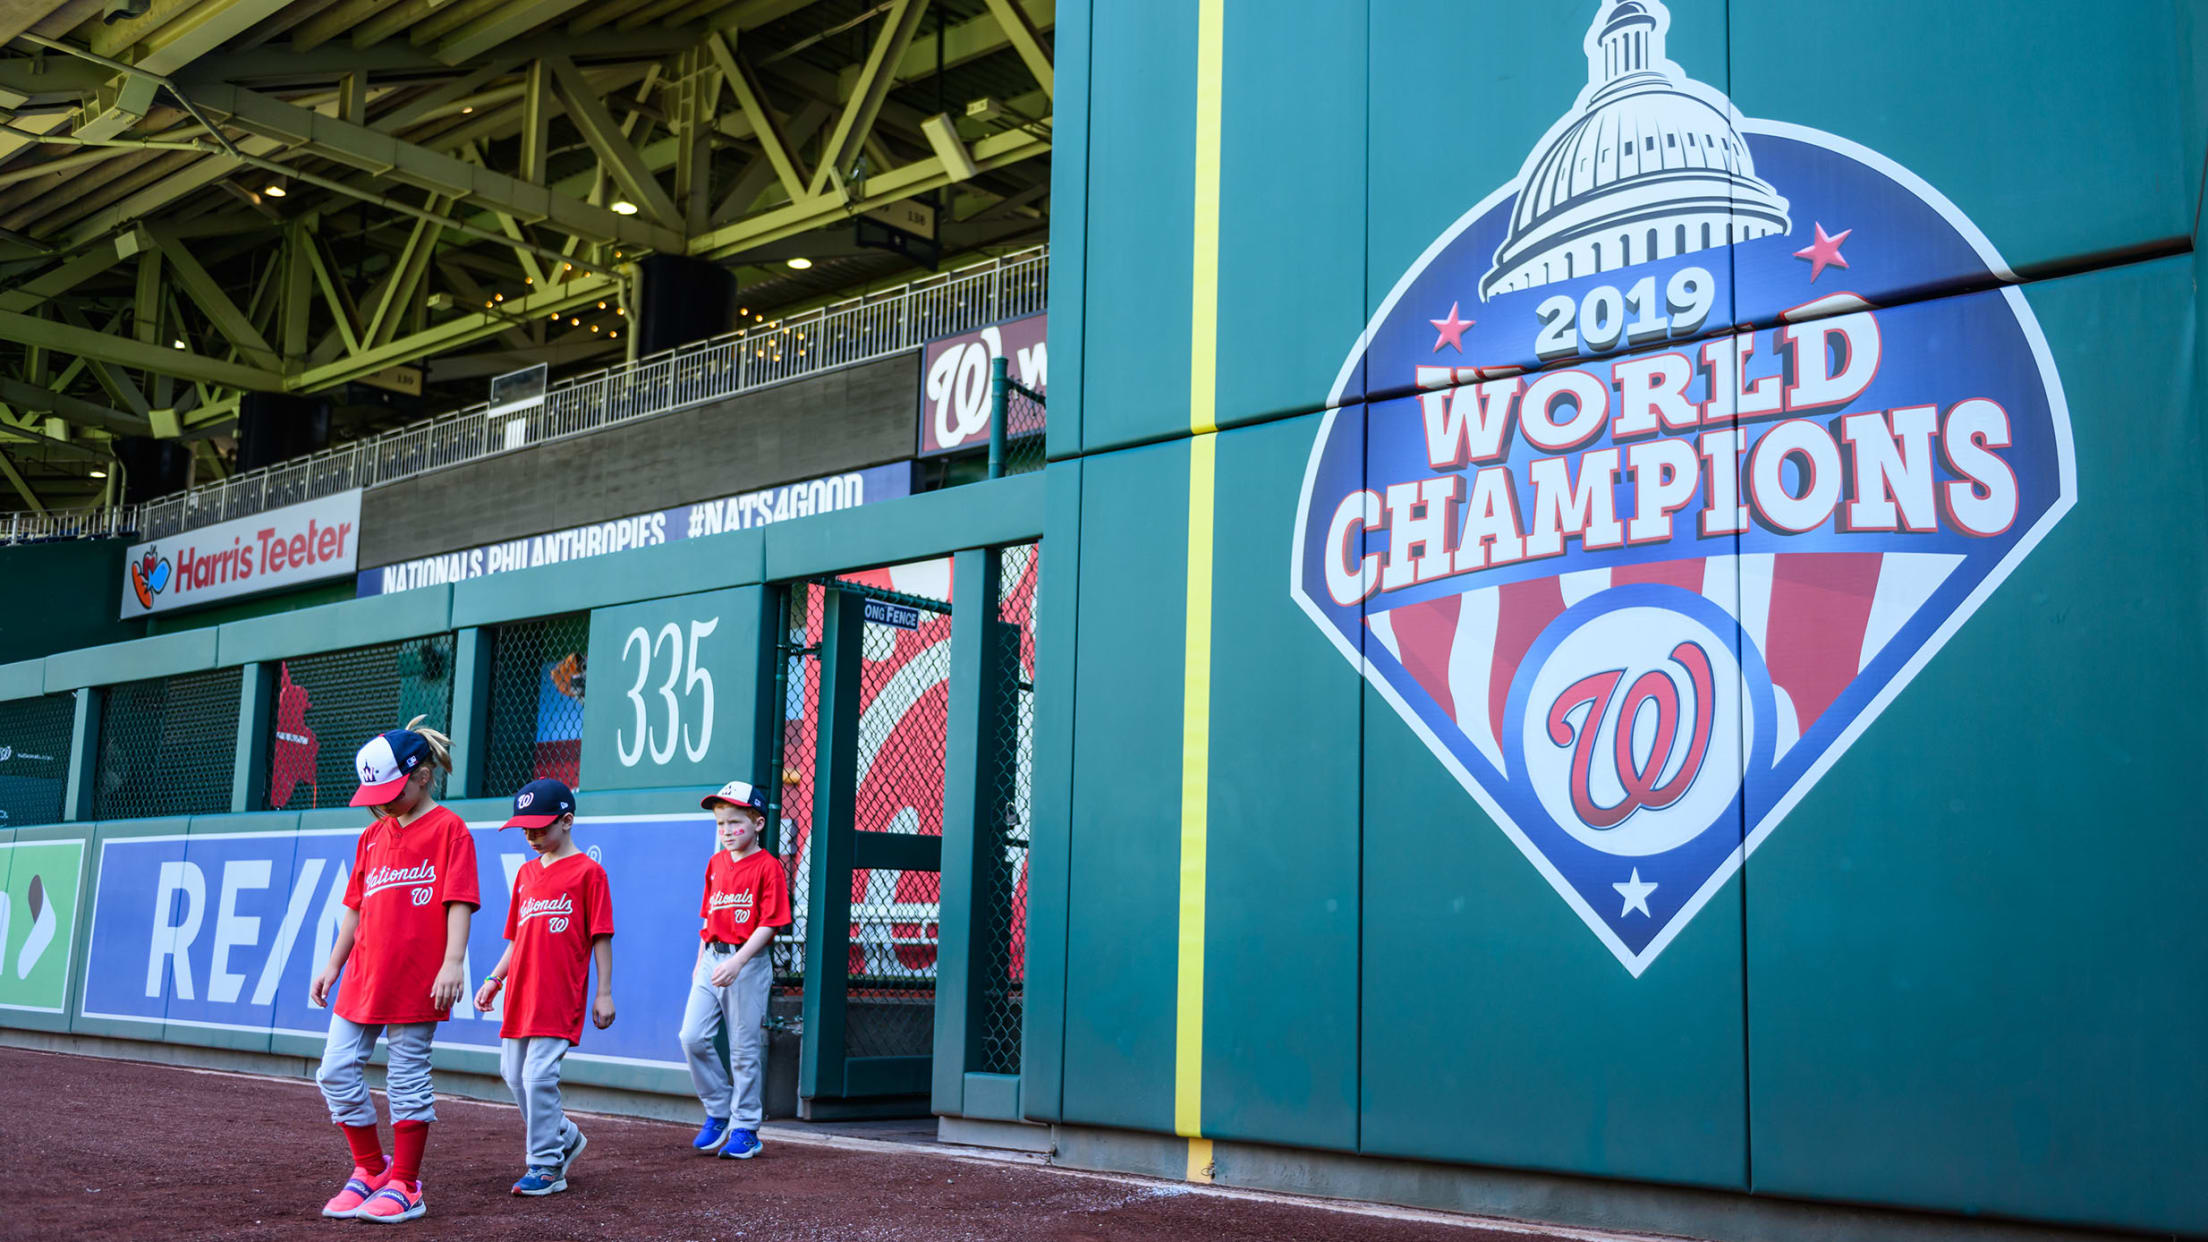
[1648, 165]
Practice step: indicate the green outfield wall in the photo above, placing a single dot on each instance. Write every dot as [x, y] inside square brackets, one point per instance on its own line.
[1621, 600]
[1953, 971]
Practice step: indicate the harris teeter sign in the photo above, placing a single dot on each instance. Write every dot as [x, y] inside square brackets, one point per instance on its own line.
[1638, 576]
[272, 551]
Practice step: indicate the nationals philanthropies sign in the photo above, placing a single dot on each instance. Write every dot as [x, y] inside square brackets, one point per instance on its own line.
[1639, 577]
[270, 551]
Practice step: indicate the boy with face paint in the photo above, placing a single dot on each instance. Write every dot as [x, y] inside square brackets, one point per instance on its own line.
[401, 945]
[559, 924]
[746, 900]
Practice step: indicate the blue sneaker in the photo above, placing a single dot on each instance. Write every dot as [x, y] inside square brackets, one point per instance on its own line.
[741, 1145]
[711, 1138]
[572, 1150]
[544, 1181]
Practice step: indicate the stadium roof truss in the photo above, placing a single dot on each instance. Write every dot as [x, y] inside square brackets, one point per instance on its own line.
[203, 198]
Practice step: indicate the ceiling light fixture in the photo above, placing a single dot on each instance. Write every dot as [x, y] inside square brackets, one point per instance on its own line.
[623, 207]
[801, 263]
[275, 189]
[99, 474]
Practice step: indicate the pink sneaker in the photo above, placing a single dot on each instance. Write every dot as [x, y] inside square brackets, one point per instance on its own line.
[393, 1202]
[358, 1187]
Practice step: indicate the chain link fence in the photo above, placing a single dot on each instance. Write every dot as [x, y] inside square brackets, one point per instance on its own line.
[34, 759]
[168, 746]
[1000, 891]
[790, 785]
[536, 710]
[904, 702]
[1024, 420]
[328, 705]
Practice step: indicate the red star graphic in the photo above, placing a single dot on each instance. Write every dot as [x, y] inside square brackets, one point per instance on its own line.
[1823, 252]
[1452, 329]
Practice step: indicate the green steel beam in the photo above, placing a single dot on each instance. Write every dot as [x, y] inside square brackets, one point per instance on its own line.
[461, 330]
[995, 151]
[174, 33]
[746, 15]
[119, 386]
[514, 18]
[1021, 28]
[611, 143]
[403, 280]
[536, 119]
[206, 293]
[766, 127]
[868, 92]
[296, 303]
[161, 360]
[68, 276]
[967, 41]
[67, 448]
[146, 201]
[312, 133]
[22, 488]
[334, 293]
[27, 396]
[761, 172]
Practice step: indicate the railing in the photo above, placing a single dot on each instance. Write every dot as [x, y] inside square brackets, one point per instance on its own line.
[858, 330]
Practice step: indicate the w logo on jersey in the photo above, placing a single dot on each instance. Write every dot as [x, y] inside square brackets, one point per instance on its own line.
[1672, 477]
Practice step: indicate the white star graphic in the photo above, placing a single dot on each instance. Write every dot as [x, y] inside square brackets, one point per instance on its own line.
[1635, 891]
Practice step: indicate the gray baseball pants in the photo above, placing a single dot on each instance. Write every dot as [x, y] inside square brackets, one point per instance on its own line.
[345, 1052]
[531, 1067]
[734, 1089]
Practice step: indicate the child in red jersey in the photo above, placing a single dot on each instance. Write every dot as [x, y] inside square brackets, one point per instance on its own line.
[746, 900]
[560, 920]
[402, 944]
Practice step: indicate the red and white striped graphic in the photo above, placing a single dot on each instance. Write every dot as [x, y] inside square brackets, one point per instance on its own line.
[1818, 618]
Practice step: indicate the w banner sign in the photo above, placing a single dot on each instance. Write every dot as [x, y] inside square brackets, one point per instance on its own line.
[1636, 576]
[227, 930]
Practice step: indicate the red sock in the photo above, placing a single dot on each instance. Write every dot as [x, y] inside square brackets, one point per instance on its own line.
[367, 1149]
[407, 1140]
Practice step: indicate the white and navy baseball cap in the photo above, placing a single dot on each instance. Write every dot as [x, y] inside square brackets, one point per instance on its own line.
[385, 763]
[737, 793]
[539, 803]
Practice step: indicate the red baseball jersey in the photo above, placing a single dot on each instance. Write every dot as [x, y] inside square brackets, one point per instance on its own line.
[558, 909]
[743, 895]
[403, 878]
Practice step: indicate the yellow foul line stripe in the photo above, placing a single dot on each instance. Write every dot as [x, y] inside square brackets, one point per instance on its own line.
[1188, 1036]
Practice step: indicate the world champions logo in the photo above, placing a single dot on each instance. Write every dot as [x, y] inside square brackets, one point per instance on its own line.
[1682, 453]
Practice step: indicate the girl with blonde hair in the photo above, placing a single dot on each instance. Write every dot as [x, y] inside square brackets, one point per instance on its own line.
[402, 946]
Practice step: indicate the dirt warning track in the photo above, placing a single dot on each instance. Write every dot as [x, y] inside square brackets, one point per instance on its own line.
[103, 1149]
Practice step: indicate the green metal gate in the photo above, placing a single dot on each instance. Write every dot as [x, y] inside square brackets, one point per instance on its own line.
[865, 674]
